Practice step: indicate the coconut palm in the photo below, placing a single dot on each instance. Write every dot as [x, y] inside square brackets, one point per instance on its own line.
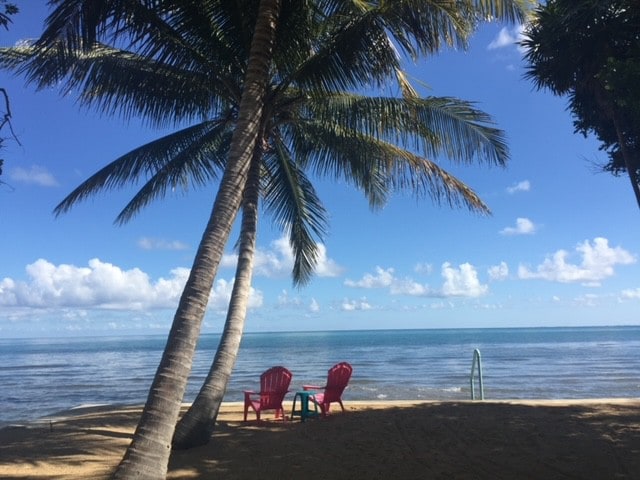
[349, 131]
[201, 61]
[589, 51]
[401, 118]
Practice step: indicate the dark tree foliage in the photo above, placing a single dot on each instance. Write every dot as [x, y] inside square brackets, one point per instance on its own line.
[590, 51]
[7, 10]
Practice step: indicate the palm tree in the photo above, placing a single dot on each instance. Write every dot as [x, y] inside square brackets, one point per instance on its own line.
[197, 425]
[345, 131]
[581, 49]
[177, 69]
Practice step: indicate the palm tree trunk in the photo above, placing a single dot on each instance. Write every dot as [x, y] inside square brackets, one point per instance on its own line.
[198, 423]
[148, 454]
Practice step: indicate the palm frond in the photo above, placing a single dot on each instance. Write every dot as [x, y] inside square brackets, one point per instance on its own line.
[197, 165]
[296, 207]
[189, 155]
[371, 163]
[117, 81]
[348, 54]
[435, 126]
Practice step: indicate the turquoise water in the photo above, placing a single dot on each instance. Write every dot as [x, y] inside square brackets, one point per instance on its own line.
[41, 376]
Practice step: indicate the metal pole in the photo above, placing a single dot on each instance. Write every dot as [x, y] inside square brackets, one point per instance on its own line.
[476, 359]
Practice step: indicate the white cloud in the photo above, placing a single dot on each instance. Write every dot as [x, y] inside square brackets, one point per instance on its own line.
[385, 278]
[462, 282]
[326, 267]
[506, 37]
[441, 305]
[35, 175]
[284, 300]
[631, 294]
[382, 278]
[147, 243]
[523, 186]
[407, 286]
[221, 294]
[314, 306]
[498, 272]
[103, 285]
[423, 268]
[524, 226]
[277, 261]
[597, 262]
[352, 305]
[588, 300]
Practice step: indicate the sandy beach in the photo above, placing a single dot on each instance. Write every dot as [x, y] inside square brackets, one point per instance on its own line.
[585, 439]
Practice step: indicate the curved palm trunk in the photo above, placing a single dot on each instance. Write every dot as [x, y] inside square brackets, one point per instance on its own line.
[148, 454]
[198, 423]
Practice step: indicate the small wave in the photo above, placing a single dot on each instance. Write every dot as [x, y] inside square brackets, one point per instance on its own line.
[452, 389]
[89, 405]
[368, 389]
[34, 366]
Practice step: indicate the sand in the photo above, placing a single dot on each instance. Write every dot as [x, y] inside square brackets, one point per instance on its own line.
[586, 439]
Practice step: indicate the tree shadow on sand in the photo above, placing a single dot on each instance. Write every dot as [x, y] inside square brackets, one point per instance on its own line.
[439, 440]
[443, 440]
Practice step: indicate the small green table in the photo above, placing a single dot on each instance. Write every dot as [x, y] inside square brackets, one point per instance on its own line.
[304, 412]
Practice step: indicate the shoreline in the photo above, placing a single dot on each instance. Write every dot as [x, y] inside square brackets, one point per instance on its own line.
[229, 410]
[569, 438]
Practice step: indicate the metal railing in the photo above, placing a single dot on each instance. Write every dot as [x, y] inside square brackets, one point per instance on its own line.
[477, 360]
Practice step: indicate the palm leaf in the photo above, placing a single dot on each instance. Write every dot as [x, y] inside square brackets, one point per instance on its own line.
[189, 156]
[295, 206]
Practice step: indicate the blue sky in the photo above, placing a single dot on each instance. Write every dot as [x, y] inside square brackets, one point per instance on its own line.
[560, 248]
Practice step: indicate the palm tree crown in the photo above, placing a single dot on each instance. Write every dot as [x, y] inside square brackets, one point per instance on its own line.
[168, 74]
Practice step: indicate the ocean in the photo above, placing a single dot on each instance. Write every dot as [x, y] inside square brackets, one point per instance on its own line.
[39, 377]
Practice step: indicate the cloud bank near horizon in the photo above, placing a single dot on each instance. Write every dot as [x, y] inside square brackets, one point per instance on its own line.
[107, 287]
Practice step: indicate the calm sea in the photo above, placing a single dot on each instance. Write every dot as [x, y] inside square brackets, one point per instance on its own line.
[39, 377]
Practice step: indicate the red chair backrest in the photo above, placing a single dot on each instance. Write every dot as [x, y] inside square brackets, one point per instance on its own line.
[274, 385]
[337, 381]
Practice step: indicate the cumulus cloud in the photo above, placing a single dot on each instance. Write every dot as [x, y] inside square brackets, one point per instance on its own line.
[462, 281]
[524, 226]
[406, 286]
[382, 278]
[631, 294]
[147, 243]
[35, 175]
[277, 261]
[498, 272]
[506, 37]
[221, 294]
[458, 282]
[523, 186]
[352, 305]
[597, 262]
[102, 285]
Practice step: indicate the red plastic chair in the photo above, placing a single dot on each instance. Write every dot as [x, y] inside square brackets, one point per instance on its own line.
[337, 381]
[274, 385]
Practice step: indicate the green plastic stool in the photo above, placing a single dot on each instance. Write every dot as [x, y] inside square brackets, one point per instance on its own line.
[304, 412]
